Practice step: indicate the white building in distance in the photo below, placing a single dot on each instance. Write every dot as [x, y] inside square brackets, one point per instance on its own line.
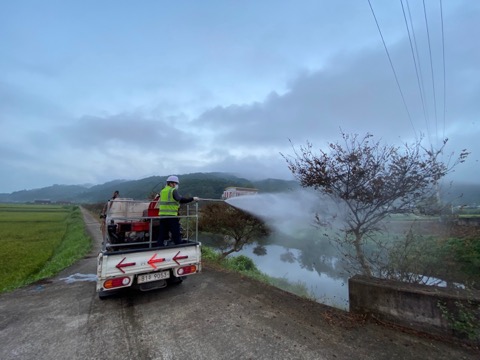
[234, 191]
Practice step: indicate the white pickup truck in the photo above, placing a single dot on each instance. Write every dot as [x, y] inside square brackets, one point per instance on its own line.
[130, 255]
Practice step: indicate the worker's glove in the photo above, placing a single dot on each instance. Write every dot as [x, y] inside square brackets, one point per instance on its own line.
[196, 198]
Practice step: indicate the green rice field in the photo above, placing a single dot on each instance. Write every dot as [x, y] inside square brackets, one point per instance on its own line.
[37, 241]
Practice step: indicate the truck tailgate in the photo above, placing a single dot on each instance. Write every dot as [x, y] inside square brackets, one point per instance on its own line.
[111, 265]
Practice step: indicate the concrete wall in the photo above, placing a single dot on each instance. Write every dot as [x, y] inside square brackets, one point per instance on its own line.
[414, 306]
[468, 221]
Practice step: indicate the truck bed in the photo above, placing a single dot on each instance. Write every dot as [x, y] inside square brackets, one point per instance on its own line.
[131, 256]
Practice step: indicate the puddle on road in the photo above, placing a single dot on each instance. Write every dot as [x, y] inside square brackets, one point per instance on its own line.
[80, 277]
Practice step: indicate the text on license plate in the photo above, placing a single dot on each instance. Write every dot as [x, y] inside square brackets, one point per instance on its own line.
[160, 275]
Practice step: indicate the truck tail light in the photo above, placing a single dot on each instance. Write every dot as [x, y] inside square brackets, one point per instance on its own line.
[117, 282]
[187, 270]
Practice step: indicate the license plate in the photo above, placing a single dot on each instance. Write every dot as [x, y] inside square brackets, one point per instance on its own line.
[153, 277]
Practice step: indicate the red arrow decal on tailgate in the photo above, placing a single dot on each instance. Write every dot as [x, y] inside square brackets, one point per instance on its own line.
[120, 265]
[152, 261]
[176, 257]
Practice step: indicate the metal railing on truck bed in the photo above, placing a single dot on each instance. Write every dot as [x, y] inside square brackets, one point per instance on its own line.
[132, 225]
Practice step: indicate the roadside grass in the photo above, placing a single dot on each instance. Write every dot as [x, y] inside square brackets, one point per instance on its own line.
[245, 266]
[38, 241]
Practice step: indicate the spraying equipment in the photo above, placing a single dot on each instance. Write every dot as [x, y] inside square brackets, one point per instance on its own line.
[132, 256]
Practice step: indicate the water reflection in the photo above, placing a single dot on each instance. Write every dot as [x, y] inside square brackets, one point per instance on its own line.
[305, 258]
[287, 263]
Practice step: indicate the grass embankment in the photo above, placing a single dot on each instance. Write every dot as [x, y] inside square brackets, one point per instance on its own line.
[244, 265]
[37, 241]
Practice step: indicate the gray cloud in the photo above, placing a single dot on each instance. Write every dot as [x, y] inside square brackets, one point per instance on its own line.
[18, 105]
[358, 93]
[129, 130]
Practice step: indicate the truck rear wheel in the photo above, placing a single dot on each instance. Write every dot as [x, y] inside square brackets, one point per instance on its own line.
[175, 280]
[102, 295]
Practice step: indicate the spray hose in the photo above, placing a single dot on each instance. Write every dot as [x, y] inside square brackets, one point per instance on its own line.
[219, 200]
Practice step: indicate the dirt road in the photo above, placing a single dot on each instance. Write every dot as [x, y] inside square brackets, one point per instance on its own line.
[214, 315]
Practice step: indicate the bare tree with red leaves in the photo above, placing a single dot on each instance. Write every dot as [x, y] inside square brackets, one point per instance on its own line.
[371, 180]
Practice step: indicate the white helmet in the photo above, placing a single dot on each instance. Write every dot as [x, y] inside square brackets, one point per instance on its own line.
[173, 178]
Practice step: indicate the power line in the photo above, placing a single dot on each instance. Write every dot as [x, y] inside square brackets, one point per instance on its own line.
[393, 68]
[420, 87]
[427, 115]
[444, 77]
[431, 68]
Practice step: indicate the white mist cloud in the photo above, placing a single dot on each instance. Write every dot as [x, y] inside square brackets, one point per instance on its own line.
[290, 212]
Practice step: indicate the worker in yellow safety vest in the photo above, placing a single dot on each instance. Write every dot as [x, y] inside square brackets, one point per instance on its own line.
[168, 206]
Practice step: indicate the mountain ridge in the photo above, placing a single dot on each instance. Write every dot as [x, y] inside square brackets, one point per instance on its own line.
[205, 185]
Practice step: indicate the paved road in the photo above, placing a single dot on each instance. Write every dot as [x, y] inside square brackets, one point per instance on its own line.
[214, 315]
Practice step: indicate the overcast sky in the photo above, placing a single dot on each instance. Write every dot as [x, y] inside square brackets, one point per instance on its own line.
[92, 91]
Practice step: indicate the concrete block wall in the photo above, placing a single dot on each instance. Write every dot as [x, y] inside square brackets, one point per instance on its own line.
[410, 305]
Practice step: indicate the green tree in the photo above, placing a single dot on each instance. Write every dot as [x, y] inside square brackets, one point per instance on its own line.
[236, 226]
[371, 180]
